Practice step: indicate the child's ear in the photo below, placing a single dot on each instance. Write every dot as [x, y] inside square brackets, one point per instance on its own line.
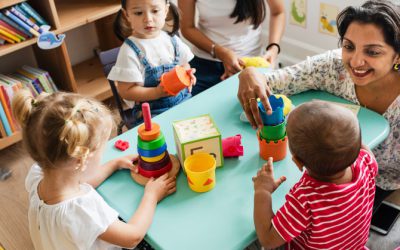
[124, 14]
[299, 163]
[167, 8]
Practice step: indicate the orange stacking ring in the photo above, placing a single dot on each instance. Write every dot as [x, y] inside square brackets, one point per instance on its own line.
[149, 135]
[275, 149]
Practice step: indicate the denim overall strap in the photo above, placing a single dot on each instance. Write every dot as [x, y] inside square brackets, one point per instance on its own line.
[139, 53]
[176, 49]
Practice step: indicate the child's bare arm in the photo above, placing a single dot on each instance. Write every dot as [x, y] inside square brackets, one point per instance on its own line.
[135, 92]
[131, 233]
[264, 186]
[95, 175]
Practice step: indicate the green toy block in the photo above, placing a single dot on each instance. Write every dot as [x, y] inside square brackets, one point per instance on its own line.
[198, 134]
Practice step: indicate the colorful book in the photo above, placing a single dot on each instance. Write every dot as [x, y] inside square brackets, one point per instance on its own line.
[6, 108]
[16, 26]
[4, 121]
[2, 130]
[11, 30]
[7, 39]
[25, 19]
[20, 34]
[35, 83]
[25, 84]
[20, 22]
[2, 41]
[44, 73]
[33, 77]
[30, 11]
[25, 14]
[5, 32]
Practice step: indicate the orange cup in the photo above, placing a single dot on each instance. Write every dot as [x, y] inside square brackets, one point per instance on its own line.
[275, 149]
[175, 80]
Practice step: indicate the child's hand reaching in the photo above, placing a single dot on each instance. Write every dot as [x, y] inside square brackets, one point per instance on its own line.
[160, 187]
[264, 181]
[193, 79]
[126, 162]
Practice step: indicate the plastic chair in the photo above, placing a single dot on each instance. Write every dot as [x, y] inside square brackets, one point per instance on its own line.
[108, 59]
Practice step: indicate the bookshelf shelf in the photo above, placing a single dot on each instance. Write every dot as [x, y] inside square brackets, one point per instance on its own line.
[9, 48]
[91, 81]
[8, 3]
[9, 140]
[86, 78]
[76, 13]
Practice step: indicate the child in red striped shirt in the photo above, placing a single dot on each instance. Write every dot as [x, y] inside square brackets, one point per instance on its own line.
[331, 205]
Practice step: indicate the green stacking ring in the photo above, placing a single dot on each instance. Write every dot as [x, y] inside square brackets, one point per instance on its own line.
[272, 133]
[151, 145]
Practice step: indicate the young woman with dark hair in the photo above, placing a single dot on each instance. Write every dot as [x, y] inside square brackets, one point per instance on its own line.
[228, 30]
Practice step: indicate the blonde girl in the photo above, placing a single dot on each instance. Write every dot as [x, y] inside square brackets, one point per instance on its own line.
[66, 135]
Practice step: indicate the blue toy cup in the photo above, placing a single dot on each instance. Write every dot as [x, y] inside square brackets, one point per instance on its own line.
[277, 116]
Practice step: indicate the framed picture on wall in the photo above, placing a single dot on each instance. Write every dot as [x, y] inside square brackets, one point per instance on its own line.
[327, 19]
[298, 13]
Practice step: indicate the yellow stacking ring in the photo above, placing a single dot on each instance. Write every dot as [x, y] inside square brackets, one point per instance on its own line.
[153, 159]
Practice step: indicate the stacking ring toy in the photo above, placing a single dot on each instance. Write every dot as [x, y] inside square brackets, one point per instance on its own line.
[156, 173]
[153, 159]
[151, 145]
[153, 166]
[152, 153]
[148, 135]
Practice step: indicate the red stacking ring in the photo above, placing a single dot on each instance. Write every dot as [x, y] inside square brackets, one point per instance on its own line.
[156, 173]
[153, 166]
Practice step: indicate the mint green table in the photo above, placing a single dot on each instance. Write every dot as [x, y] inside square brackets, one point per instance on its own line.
[222, 218]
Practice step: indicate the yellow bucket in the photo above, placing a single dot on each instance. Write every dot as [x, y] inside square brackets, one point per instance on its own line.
[200, 171]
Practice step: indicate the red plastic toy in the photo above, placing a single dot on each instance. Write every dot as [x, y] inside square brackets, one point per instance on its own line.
[121, 145]
[232, 146]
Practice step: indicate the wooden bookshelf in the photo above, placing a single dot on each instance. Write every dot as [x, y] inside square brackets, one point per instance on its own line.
[87, 77]
[75, 13]
[9, 140]
[91, 80]
[8, 3]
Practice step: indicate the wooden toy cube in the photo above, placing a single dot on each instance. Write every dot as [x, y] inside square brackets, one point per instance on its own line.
[198, 134]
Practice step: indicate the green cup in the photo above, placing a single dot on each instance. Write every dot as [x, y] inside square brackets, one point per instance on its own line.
[272, 133]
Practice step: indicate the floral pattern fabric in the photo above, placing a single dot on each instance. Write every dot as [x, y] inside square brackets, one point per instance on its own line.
[326, 72]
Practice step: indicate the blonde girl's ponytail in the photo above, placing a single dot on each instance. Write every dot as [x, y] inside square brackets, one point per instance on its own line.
[22, 105]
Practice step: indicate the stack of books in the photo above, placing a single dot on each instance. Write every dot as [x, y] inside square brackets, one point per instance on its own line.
[18, 23]
[34, 79]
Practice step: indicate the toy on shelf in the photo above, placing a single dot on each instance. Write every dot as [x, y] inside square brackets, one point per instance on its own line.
[121, 145]
[198, 134]
[232, 146]
[256, 61]
[272, 136]
[175, 80]
[154, 159]
[200, 171]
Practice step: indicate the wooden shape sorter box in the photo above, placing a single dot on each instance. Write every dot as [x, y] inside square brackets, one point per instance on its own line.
[198, 134]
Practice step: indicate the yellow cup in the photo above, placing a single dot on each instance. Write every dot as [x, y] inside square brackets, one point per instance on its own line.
[200, 171]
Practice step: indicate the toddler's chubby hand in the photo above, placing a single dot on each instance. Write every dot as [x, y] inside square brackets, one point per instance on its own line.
[160, 187]
[264, 181]
[126, 162]
[193, 79]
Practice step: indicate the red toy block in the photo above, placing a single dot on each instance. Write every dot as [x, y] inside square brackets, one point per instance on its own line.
[121, 145]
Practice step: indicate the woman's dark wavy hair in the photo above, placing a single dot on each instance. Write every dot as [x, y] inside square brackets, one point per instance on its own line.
[382, 13]
[122, 29]
[249, 9]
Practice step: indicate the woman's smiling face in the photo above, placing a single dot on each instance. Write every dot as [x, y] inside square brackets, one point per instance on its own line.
[366, 55]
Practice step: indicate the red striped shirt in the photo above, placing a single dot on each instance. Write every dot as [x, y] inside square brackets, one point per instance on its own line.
[321, 215]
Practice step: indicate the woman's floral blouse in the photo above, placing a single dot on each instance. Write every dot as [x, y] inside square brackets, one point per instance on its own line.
[326, 72]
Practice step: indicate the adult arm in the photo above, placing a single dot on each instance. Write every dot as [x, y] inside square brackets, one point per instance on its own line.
[276, 28]
[322, 71]
[231, 61]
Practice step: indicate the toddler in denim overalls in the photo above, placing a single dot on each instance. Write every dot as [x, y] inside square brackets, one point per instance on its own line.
[147, 52]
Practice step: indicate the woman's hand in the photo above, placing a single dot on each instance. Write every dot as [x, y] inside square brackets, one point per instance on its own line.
[253, 85]
[264, 181]
[231, 61]
[161, 187]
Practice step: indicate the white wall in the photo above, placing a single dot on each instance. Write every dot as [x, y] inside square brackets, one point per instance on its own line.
[298, 42]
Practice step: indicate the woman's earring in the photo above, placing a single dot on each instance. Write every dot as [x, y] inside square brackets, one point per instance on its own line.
[396, 66]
